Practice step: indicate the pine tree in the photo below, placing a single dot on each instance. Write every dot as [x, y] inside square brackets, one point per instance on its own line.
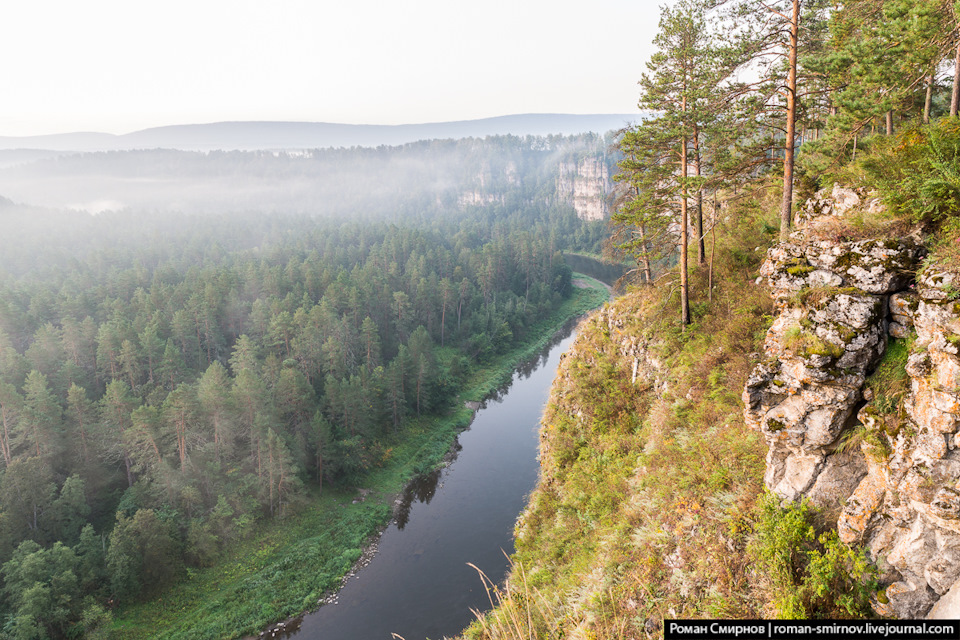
[678, 87]
[115, 408]
[42, 420]
[770, 39]
[216, 409]
[180, 409]
[152, 346]
[80, 416]
[645, 211]
[26, 493]
[881, 52]
[11, 406]
[172, 366]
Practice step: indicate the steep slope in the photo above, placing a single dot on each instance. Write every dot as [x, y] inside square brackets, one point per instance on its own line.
[657, 443]
[648, 472]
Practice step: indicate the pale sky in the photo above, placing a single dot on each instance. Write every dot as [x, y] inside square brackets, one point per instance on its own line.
[117, 66]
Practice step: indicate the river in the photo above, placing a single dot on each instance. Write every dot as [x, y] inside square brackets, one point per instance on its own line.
[606, 272]
[419, 585]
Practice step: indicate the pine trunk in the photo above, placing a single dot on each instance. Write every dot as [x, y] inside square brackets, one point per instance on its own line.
[786, 207]
[701, 247]
[647, 275]
[684, 239]
[5, 442]
[955, 95]
[128, 464]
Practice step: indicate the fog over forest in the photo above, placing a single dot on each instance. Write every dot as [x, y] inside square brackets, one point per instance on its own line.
[357, 181]
[193, 343]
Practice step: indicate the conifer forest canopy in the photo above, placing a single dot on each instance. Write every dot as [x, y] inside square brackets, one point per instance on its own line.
[199, 361]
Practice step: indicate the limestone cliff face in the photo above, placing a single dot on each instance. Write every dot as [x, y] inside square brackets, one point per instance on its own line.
[477, 198]
[582, 180]
[585, 184]
[907, 509]
[488, 185]
[898, 491]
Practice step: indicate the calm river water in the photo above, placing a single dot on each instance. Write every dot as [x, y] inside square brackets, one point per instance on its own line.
[607, 272]
[419, 585]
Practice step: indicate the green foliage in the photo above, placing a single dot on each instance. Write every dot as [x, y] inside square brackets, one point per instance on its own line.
[283, 568]
[917, 172]
[646, 482]
[41, 589]
[176, 382]
[810, 575]
[27, 490]
[880, 66]
[665, 160]
[143, 555]
[96, 622]
[889, 381]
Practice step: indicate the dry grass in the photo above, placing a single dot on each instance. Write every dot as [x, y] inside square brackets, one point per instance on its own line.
[860, 225]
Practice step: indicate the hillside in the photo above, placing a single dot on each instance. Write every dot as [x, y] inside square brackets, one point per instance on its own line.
[183, 395]
[418, 179]
[830, 380]
[649, 475]
[783, 443]
[254, 136]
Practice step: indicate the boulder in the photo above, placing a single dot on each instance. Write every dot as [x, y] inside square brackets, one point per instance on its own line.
[948, 606]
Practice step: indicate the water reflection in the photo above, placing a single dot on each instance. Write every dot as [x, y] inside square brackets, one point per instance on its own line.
[420, 585]
[422, 488]
[526, 367]
[608, 273]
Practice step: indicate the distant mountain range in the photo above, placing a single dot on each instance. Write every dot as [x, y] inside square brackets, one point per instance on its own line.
[248, 136]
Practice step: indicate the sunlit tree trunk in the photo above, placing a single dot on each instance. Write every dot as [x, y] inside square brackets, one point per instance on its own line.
[701, 247]
[789, 143]
[955, 95]
[684, 239]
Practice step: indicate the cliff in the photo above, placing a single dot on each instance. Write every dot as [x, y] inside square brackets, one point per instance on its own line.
[585, 184]
[648, 472]
[792, 453]
[579, 177]
[884, 465]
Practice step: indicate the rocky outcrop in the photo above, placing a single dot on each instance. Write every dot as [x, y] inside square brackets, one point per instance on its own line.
[633, 349]
[478, 199]
[585, 184]
[831, 330]
[489, 184]
[897, 492]
[906, 511]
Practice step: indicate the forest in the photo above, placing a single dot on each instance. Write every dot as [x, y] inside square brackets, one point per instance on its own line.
[803, 93]
[170, 380]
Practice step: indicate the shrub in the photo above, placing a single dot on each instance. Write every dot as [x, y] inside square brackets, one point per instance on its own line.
[890, 382]
[810, 575]
[917, 171]
[806, 344]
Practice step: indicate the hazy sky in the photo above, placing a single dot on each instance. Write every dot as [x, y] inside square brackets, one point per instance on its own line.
[122, 65]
